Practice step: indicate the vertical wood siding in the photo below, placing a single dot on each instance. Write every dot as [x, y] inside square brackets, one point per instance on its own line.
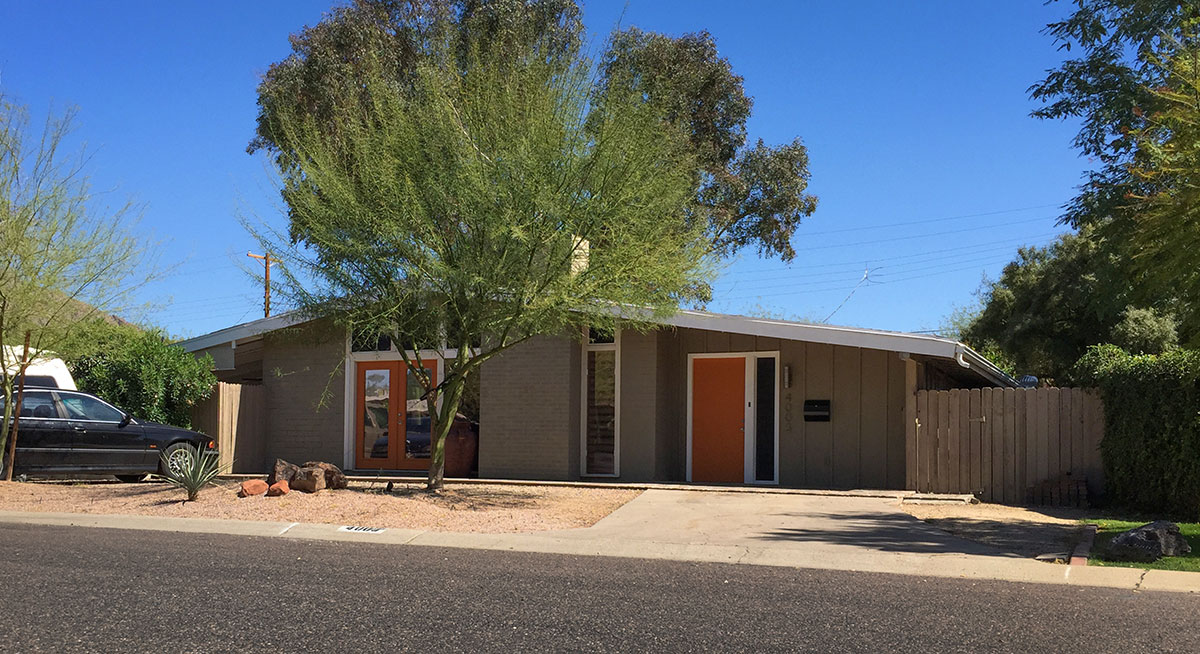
[1001, 442]
[235, 415]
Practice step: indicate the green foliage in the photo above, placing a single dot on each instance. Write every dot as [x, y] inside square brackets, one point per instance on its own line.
[744, 196]
[191, 469]
[1144, 331]
[1135, 86]
[1051, 303]
[1151, 446]
[63, 259]
[1108, 87]
[1160, 230]
[141, 372]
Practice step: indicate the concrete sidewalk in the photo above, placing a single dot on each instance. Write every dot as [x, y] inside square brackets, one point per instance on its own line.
[863, 534]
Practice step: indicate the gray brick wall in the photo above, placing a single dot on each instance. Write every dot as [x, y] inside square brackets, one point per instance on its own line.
[302, 369]
[528, 411]
[639, 382]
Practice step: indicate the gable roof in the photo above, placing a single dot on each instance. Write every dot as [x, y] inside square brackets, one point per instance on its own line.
[876, 339]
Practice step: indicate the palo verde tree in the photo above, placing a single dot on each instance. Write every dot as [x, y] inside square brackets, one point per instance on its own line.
[462, 176]
[64, 258]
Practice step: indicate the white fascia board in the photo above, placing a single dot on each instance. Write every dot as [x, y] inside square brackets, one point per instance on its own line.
[831, 334]
[874, 339]
[242, 331]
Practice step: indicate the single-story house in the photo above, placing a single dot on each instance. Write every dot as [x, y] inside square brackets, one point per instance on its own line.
[703, 397]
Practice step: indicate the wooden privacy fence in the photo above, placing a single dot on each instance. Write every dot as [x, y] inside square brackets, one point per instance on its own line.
[1010, 445]
[235, 414]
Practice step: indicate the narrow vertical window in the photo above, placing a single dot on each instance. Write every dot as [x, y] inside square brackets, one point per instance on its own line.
[764, 420]
[600, 404]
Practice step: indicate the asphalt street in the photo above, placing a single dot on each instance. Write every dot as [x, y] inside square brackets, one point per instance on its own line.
[79, 589]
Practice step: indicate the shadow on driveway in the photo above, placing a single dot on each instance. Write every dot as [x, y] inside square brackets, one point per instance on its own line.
[898, 532]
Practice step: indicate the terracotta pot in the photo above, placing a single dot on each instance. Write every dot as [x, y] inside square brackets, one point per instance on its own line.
[461, 444]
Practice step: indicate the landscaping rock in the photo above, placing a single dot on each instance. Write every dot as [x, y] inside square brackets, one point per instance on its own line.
[278, 488]
[1148, 543]
[252, 487]
[308, 479]
[334, 477]
[282, 471]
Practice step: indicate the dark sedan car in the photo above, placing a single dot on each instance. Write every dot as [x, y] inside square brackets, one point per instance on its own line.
[62, 432]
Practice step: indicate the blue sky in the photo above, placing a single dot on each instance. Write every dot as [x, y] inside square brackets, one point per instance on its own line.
[929, 170]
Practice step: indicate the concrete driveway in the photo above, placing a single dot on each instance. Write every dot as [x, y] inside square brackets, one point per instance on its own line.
[827, 531]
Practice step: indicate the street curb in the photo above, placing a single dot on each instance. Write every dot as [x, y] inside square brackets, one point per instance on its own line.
[1084, 549]
[578, 543]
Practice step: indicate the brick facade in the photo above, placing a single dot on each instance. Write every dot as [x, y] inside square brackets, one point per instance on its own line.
[305, 396]
[529, 411]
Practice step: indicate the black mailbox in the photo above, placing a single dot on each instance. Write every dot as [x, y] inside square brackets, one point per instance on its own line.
[816, 410]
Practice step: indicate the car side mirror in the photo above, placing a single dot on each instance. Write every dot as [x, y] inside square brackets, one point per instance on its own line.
[125, 420]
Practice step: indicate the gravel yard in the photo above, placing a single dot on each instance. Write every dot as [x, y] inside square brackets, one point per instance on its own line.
[1026, 532]
[489, 508]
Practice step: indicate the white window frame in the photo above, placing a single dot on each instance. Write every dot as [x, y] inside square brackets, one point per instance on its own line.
[749, 434]
[614, 347]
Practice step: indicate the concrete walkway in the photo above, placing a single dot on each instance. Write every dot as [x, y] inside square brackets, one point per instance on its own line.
[865, 534]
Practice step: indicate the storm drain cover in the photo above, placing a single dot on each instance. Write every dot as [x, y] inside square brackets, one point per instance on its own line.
[362, 530]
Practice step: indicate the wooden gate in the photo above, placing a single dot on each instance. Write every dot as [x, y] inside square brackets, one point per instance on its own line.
[1009, 445]
[235, 414]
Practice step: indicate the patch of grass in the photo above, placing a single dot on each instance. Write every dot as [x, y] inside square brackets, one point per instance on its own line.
[1109, 528]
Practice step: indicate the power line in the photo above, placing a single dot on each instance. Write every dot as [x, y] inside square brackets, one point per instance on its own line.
[914, 236]
[1007, 243]
[930, 220]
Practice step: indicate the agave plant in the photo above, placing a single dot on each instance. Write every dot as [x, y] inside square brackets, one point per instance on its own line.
[191, 469]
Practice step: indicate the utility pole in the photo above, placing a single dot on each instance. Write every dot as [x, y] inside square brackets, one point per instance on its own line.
[266, 259]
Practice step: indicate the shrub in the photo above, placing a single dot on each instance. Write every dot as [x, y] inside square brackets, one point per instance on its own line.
[1151, 445]
[142, 372]
[197, 470]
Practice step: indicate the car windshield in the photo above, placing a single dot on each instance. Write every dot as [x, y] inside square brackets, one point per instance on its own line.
[83, 407]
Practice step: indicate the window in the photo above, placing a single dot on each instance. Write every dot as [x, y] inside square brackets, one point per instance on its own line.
[764, 419]
[418, 425]
[601, 404]
[45, 381]
[82, 407]
[35, 405]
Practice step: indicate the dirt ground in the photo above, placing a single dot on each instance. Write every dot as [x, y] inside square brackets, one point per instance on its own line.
[1023, 531]
[460, 507]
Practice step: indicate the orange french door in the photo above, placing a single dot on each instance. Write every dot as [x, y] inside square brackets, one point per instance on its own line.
[719, 419]
[392, 423]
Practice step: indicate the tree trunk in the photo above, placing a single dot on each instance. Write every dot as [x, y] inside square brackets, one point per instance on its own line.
[439, 428]
[10, 455]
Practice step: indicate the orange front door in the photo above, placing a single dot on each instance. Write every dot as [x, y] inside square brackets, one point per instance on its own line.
[719, 419]
[392, 424]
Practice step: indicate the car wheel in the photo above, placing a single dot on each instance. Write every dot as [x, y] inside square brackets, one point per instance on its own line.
[178, 457]
[131, 479]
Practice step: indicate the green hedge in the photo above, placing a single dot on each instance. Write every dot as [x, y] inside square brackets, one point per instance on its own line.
[143, 373]
[1151, 445]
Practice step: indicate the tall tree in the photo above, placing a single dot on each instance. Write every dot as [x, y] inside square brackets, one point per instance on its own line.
[746, 196]
[495, 192]
[459, 174]
[1109, 87]
[64, 258]
[1162, 231]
